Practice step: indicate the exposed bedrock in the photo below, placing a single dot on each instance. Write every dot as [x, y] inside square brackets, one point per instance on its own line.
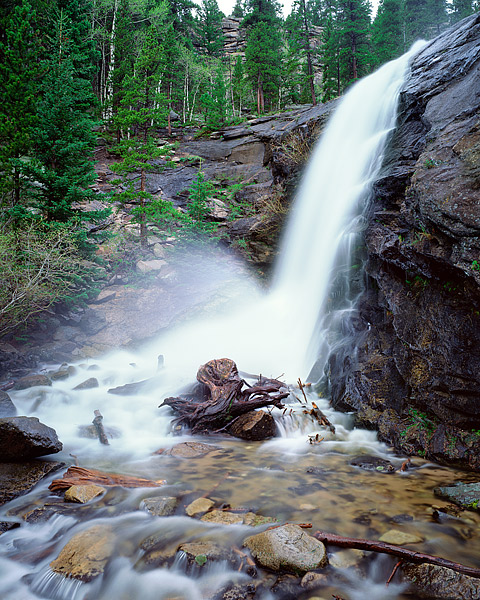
[417, 373]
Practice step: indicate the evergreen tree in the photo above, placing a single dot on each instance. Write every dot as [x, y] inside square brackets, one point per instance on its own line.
[238, 85]
[263, 56]
[459, 9]
[331, 60]
[353, 23]
[388, 31]
[238, 11]
[210, 28]
[424, 19]
[19, 81]
[142, 108]
[62, 165]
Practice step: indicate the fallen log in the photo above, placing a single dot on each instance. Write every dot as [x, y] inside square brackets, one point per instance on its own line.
[82, 476]
[220, 397]
[399, 551]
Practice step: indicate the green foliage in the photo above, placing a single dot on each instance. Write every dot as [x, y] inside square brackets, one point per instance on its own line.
[200, 559]
[214, 102]
[197, 209]
[420, 420]
[475, 265]
[387, 31]
[41, 266]
[209, 28]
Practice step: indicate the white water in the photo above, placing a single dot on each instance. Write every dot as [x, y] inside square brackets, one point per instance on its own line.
[275, 333]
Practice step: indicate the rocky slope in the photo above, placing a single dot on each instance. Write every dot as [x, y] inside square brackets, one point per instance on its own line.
[417, 379]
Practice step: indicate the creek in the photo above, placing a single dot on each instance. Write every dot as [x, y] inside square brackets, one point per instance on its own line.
[288, 331]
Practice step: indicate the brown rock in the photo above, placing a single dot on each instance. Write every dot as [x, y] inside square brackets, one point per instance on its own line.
[254, 425]
[88, 384]
[190, 450]
[83, 493]
[17, 479]
[430, 581]
[84, 557]
[160, 507]
[31, 381]
[199, 506]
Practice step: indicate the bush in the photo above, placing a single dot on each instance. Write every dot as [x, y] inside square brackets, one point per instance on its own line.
[40, 266]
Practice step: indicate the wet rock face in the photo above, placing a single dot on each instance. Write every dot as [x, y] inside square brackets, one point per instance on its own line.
[417, 379]
[23, 438]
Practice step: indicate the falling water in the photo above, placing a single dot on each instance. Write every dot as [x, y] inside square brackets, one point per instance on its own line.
[286, 478]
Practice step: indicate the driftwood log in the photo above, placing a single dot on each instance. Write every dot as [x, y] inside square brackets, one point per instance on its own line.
[220, 397]
[399, 551]
[81, 476]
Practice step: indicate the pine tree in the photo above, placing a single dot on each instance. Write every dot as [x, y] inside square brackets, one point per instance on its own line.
[388, 31]
[331, 60]
[19, 82]
[263, 56]
[214, 101]
[459, 9]
[210, 28]
[142, 108]
[424, 19]
[238, 11]
[353, 23]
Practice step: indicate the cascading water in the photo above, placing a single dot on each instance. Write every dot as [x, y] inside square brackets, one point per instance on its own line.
[288, 478]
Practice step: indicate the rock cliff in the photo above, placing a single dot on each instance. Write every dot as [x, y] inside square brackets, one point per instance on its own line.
[417, 374]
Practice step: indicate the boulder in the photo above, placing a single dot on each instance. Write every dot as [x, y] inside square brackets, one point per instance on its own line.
[17, 479]
[23, 438]
[7, 407]
[84, 557]
[147, 266]
[83, 493]
[29, 381]
[287, 548]
[439, 583]
[254, 425]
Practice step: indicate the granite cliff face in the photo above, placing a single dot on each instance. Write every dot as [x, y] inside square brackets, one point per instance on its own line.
[417, 374]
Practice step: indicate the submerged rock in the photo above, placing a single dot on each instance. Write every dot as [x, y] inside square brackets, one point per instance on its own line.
[23, 438]
[287, 548]
[162, 506]
[399, 538]
[189, 450]
[373, 463]
[84, 557]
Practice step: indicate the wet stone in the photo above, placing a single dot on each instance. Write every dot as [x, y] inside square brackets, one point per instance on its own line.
[222, 517]
[59, 375]
[88, 384]
[430, 581]
[466, 495]
[160, 507]
[254, 425]
[399, 538]
[7, 407]
[17, 479]
[83, 493]
[84, 557]
[89, 432]
[287, 548]
[199, 506]
[202, 553]
[24, 438]
[29, 381]
[190, 450]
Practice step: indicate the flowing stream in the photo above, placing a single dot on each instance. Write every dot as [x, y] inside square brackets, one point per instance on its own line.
[292, 478]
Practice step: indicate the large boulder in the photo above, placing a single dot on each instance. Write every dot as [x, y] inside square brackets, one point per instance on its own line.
[17, 479]
[287, 548]
[439, 583]
[23, 438]
[254, 425]
[7, 407]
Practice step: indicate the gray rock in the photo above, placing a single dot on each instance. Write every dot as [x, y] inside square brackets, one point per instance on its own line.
[7, 407]
[31, 381]
[466, 495]
[23, 438]
[163, 506]
[88, 384]
[373, 463]
[439, 583]
[17, 479]
[287, 548]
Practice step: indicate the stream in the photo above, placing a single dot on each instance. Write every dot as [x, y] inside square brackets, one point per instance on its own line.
[304, 475]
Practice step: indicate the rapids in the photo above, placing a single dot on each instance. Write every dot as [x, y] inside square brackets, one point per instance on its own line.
[282, 331]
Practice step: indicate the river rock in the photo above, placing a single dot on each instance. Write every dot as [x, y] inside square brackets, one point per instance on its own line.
[7, 407]
[90, 432]
[83, 493]
[84, 557]
[287, 548]
[199, 506]
[439, 583]
[254, 425]
[466, 495]
[373, 463]
[88, 384]
[17, 479]
[204, 553]
[29, 381]
[222, 517]
[23, 438]
[400, 538]
[163, 506]
[190, 450]
[147, 266]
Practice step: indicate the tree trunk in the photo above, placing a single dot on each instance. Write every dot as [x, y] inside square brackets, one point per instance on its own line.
[143, 223]
[308, 51]
[111, 65]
